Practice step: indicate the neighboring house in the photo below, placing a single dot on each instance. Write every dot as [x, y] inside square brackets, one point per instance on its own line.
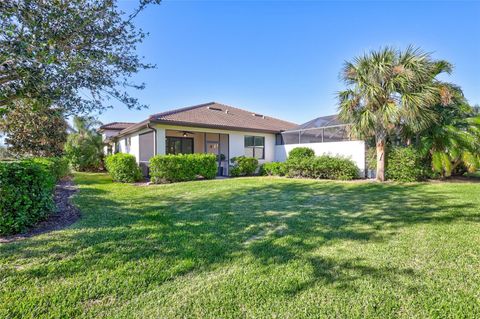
[221, 129]
[109, 131]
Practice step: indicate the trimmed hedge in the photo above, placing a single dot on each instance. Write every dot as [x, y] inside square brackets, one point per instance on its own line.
[182, 167]
[273, 169]
[243, 166]
[57, 166]
[26, 195]
[123, 168]
[322, 167]
[405, 164]
[301, 152]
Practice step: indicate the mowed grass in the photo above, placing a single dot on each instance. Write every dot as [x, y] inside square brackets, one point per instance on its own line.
[253, 248]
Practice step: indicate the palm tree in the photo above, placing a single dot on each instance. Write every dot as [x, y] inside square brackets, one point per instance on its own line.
[84, 147]
[454, 142]
[85, 125]
[387, 88]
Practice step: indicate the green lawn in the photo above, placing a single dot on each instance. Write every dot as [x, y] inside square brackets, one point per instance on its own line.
[255, 248]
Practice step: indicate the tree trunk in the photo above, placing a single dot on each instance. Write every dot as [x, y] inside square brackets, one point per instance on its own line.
[380, 143]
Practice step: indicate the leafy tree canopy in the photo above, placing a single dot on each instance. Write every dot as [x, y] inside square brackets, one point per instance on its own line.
[77, 54]
[34, 129]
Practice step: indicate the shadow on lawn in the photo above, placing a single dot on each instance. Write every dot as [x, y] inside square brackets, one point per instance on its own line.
[272, 224]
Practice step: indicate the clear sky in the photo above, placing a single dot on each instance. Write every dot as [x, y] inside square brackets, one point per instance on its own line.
[283, 58]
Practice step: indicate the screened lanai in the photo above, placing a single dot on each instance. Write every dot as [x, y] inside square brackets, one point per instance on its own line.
[320, 130]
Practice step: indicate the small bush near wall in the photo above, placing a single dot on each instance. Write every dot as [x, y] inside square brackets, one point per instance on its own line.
[180, 168]
[57, 166]
[405, 164]
[322, 167]
[243, 166]
[26, 195]
[301, 152]
[123, 168]
[273, 169]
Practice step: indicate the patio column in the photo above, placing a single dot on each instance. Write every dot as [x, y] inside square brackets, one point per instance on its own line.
[160, 141]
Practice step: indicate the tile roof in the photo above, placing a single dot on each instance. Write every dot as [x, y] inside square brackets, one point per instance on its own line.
[217, 115]
[116, 126]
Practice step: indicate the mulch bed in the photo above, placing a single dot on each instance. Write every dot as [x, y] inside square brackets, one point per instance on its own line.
[65, 214]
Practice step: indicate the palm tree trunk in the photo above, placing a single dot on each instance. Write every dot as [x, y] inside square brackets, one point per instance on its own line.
[380, 144]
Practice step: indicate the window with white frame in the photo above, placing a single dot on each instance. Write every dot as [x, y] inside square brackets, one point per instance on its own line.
[255, 146]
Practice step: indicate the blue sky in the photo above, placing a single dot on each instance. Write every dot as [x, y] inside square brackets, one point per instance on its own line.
[283, 58]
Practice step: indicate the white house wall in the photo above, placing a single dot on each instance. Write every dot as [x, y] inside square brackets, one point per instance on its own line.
[354, 150]
[134, 146]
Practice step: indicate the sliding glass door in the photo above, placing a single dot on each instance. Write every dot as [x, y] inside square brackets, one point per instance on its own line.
[179, 145]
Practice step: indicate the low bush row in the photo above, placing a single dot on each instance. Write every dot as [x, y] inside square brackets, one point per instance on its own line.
[273, 169]
[322, 167]
[57, 166]
[26, 192]
[180, 168]
[302, 163]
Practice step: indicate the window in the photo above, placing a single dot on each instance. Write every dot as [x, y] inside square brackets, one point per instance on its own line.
[179, 145]
[128, 143]
[255, 146]
[278, 139]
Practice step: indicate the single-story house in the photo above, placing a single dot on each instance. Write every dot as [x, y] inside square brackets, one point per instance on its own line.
[228, 132]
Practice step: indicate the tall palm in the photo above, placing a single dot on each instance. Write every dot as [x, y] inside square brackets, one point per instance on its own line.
[85, 125]
[387, 88]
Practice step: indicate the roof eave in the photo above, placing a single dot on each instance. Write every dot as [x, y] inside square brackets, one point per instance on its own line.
[213, 126]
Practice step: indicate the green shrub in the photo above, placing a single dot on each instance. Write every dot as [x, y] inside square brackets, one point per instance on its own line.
[26, 195]
[57, 166]
[405, 164]
[85, 153]
[123, 168]
[243, 166]
[273, 169]
[301, 152]
[322, 167]
[179, 168]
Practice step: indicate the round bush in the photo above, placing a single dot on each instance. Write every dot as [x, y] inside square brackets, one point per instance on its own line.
[243, 166]
[123, 168]
[301, 152]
